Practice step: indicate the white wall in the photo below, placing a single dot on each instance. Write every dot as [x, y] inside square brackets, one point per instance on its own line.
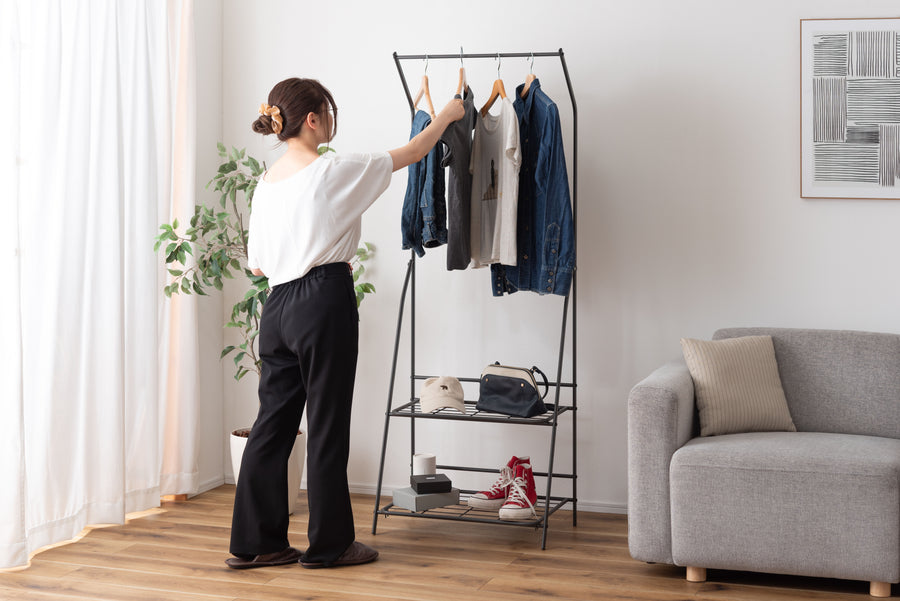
[689, 219]
[213, 450]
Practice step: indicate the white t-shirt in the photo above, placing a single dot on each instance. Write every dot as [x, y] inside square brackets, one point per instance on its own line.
[495, 187]
[314, 217]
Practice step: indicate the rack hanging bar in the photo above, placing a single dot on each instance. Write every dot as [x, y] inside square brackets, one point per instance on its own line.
[411, 57]
[494, 55]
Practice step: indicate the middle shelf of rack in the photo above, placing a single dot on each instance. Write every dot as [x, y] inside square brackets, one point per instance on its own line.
[413, 409]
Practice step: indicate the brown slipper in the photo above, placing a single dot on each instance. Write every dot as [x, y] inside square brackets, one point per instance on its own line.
[357, 553]
[284, 557]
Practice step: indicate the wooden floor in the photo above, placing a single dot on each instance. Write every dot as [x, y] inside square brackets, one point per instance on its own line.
[177, 554]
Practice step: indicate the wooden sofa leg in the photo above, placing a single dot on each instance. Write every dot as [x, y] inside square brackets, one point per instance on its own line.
[699, 575]
[880, 589]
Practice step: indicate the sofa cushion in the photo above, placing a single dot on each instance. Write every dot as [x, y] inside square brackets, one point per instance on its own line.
[737, 385]
[806, 503]
[837, 380]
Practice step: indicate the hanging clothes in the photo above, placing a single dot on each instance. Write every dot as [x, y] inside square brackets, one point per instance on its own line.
[545, 231]
[458, 138]
[423, 221]
[495, 178]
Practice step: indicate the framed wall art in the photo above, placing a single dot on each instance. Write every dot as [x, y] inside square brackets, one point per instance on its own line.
[850, 108]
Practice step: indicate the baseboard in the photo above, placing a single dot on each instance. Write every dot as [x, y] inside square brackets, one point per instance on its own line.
[590, 506]
[595, 507]
[211, 484]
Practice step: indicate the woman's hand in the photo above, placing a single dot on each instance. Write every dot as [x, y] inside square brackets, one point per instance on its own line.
[454, 111]
[425, 140]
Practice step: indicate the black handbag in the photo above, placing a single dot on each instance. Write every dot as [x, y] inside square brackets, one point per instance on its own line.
[511, 391]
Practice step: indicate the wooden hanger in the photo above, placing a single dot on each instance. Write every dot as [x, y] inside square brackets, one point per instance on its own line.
[529, 78]
[423, 91]
[498, 91]
[461, 86]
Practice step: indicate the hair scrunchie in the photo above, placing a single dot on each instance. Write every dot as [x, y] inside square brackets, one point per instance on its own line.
[274, 113]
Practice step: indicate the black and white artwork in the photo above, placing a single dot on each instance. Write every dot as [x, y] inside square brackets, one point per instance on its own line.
[850, 108]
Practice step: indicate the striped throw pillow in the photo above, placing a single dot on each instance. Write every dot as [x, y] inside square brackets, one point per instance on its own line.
[737, 386]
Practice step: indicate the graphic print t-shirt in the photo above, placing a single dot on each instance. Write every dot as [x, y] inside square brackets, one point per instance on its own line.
[495, 182]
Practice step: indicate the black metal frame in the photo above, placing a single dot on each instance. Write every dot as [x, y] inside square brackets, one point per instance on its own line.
[411, 409]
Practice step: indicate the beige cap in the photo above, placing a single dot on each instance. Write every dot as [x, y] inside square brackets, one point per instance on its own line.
[442, 392]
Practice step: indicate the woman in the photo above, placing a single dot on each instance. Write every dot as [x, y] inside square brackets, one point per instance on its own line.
[304, 228]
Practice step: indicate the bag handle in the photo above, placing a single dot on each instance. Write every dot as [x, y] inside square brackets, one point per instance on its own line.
[544, 376]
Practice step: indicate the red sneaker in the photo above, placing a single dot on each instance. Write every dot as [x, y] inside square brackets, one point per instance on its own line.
[496, 496]
[522, 495]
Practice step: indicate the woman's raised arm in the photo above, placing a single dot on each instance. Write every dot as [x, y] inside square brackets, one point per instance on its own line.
[425, 140]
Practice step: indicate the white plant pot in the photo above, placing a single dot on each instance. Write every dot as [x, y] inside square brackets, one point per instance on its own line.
[295, 464]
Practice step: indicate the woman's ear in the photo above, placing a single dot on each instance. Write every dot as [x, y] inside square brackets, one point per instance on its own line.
[312, 121]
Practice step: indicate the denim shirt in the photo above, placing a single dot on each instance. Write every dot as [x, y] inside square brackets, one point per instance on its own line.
[545, 230]
[423, 221]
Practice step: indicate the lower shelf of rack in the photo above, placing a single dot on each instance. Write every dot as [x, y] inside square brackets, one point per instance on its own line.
[463, 513]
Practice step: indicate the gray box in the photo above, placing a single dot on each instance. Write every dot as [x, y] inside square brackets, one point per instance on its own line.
[408, 499]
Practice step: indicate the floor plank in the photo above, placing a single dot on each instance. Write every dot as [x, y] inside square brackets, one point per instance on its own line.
[178, 553]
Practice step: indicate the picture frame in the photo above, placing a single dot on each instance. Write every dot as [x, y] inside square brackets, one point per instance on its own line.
[850, 108]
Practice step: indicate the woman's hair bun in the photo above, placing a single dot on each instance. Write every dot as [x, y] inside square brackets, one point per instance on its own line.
[263, 125]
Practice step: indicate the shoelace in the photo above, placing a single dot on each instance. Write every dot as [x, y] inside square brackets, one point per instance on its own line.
[517, 494]
[505, 479]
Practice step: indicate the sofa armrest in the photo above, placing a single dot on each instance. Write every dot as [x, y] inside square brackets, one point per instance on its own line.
[661, 419]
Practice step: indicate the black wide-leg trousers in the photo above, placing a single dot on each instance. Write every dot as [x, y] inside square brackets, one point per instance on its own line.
[308, 343]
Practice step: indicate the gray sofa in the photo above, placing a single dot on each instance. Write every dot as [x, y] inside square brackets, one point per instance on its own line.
[822, 501]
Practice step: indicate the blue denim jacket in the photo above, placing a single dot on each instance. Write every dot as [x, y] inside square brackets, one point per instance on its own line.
[423, 221]
[544, 229]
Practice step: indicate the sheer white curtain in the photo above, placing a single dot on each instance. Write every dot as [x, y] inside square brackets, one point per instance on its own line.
[179, 354]
[97, 157]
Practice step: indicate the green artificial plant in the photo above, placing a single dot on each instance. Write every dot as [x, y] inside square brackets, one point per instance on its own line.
[217, 240]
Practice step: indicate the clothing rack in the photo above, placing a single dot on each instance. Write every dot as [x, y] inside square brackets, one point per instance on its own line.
[550, 419]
